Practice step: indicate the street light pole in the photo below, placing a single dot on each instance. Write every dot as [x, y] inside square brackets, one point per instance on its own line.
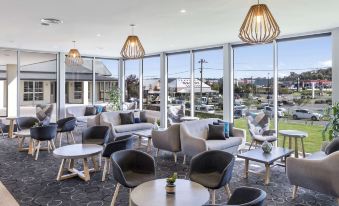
[202, 62]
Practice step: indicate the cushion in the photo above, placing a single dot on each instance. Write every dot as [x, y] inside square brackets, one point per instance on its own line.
[216, 132]
[104, 109]
[127, 118]
[226, 128]
[90, 111]
[143, 117]
[132, 127]
[230, 127]
[136, 120]
[98, 108]
[332, 147]
[259, 117]
[222, 144]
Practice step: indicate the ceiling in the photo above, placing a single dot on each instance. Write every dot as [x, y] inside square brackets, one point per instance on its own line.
[159, 23]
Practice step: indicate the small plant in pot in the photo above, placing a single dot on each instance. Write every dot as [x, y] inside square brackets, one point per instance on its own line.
[170, 186]
[331, 129]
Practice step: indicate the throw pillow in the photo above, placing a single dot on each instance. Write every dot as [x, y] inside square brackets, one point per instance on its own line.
[216, 132]
[264, 121]
[127, 118]
[226, 128]
[143, 116]
[104, 109]
[230, 127]
[333, 146]
[99, 108]
[136, 120]
[90, 111]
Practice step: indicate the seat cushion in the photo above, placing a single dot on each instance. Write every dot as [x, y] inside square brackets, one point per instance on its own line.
[223, 144]
[317, 156]
[134, 179]
[133, 127]
[84, 118]
[269, 138]
[209, 180]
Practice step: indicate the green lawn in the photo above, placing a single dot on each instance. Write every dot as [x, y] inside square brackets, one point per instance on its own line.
[312, 142]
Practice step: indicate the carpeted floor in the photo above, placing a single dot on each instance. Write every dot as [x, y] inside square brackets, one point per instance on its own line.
[34, 182]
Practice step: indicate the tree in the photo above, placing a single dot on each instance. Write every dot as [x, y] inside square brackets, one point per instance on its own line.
[132, 86]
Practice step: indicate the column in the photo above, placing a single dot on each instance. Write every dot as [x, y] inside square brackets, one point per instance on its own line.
[61, 86]
[192, 82]
[335, 65]
[122, 81]
[85, 89]
[228, 98]
[163, 91]
[12, 88]
[141, 78]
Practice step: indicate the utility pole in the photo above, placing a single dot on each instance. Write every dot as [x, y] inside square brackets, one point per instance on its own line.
[268, 87]
[202, 62]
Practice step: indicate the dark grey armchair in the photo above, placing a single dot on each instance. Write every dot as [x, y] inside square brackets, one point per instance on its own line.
[26, 122]
[43, 134]
[212, 169]
[247, 196]
[66, 125]
[131, 168]
[96, 135]
[168, 140]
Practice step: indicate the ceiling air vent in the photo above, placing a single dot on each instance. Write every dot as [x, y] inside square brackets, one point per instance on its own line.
[50, 21]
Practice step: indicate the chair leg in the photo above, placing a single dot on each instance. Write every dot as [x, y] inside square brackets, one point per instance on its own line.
[115, 195]
[48, 147]
[251, 145]
[184, 162]
[104, 171]
[157, 152]
[52, 145]
[67, 137]
[294, 192]
[37, 150]
[2, 133]
[129, 197]
[213, 197]
[228, 191]
[60, 139]
[72, 137]
[175, 157]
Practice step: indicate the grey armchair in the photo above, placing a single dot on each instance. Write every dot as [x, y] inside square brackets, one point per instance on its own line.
[318, 172]
[168, 140]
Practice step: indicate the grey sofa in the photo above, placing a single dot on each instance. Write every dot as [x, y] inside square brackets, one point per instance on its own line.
[318, 172]
[168, 140]
[113, 121]
[193, 135]
[79, 113]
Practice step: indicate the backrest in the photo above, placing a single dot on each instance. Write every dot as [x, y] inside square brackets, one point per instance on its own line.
[121, 144]
[44, 132]
[197, 128]
[43, 111]
[26, 122]
[113, 117]
[76, 111]
[100, 133]
[67, 124]
[247, 196]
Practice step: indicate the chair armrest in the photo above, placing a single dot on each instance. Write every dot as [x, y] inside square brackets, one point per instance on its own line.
[237, 132]
[191, 145]
[168, 139]
[151, 120]
[94, 121]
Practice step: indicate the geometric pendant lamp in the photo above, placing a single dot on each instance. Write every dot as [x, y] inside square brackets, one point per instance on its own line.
[259, 26]
[132, 48]
[73, 57]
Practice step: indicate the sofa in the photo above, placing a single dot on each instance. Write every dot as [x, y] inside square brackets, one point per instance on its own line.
[193, 137]
[113, 121]
[79, 113]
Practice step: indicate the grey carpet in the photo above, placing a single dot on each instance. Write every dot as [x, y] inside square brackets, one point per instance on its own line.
[34, 182]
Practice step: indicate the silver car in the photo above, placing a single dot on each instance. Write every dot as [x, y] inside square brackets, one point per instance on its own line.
[306, 114]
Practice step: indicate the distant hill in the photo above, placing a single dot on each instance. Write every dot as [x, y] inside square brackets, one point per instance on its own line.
[316, 74]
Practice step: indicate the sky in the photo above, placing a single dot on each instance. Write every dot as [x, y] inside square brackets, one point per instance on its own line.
[249, 61]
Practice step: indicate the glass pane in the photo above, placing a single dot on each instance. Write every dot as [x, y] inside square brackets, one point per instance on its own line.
[151, 83]
[208, 83]
[179, 86]
[305, 86]
[38, 72]
[106, 77]
[132, 82]
[253, 83]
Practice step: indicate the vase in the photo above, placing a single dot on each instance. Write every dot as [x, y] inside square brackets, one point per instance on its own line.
[266, 147]
[170, 188]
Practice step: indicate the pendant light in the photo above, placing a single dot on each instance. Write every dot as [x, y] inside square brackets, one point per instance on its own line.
[132, 48]
[74, 57]
[259, 26]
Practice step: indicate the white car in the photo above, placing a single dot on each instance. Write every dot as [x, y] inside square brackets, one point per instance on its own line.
[306, 114]
[270, 111]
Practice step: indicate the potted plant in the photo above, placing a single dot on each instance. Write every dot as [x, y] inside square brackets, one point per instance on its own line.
[114, 99]
[170, 186]
[331, 129]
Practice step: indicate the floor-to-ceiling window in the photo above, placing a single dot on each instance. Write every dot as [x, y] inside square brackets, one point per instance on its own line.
[8, 82]
[79, 79]
[305, 85]
[38, 77]
[253, 82]
[132, 83]
[151, 83]
[179, 85]
[208, 83]
[106, 79]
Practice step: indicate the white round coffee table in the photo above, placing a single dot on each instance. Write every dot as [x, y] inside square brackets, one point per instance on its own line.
[296, 135]
[77, 151]
[153, 193]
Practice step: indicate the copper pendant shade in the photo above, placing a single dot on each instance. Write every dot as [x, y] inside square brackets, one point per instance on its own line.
[132, 48]
[259, 26]
[74, 57]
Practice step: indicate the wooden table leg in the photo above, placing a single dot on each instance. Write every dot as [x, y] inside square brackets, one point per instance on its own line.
[267, 174]
[284, 140]
[86, 170]
[61, 169]
[296, 152]
[21, 144]
[246, 168]
[95, 165]
[289, 143]
[31, 147]
[11, 128]
[149, 146]
[302, 147]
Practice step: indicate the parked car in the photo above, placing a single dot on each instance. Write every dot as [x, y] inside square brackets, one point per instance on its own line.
[205, 108]
[306, 114]
[270, 112]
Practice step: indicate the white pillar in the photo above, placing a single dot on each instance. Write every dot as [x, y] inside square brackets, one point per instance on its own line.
[12, 88]
[313, 89]
[228, 97]
[141, 88]
[3, 96]
[85, 90]
[93, 93]
[192, 82]
[335, 65]
[122, 81]
[275, 87]
[163, 91]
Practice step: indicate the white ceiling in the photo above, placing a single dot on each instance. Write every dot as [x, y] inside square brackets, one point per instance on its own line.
[160, 25]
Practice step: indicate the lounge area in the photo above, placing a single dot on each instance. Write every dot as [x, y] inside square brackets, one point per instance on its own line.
[169, 103]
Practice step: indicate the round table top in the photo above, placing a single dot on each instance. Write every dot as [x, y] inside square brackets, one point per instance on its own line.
[153, 193]
[187, 118]
[23, 133]
[293, 133]
[77, 151]
[11, 118]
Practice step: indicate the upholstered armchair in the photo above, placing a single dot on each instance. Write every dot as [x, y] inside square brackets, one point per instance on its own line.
[175, 112]
[318, 172]
[44, 111]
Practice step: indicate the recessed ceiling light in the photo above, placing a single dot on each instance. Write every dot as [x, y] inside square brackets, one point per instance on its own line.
[98, 35]
[183, 11]
[49, 21]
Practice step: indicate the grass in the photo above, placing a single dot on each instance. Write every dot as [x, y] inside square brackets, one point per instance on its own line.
[312, 143]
